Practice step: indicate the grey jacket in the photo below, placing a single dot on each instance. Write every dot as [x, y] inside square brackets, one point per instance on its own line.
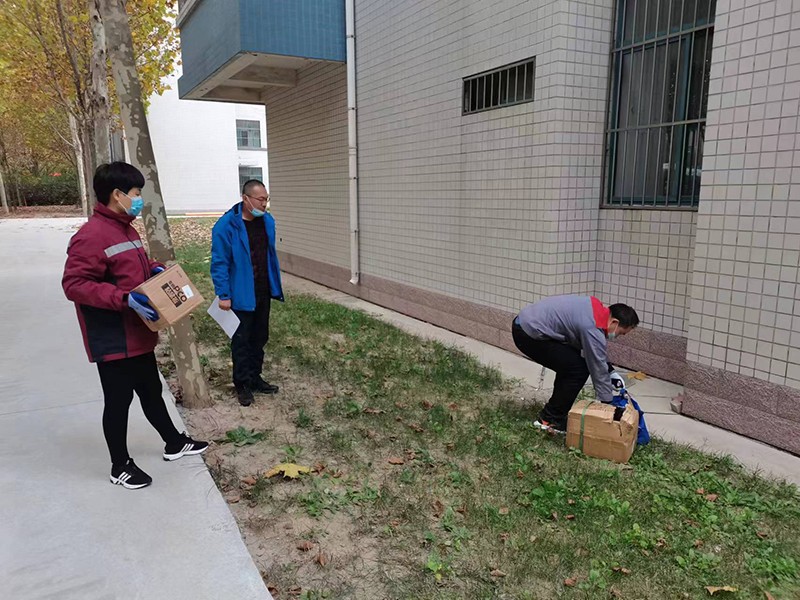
[579, 321]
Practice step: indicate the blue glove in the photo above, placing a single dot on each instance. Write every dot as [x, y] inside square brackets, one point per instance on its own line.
[141, 304]
[156, 270]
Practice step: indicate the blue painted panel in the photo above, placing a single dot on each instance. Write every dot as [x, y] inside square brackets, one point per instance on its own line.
[209, 38]
[306, 28]
[217, 30]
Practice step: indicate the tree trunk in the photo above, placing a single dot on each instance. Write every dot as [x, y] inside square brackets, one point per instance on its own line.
[79, 160]
[99, 105]
[3, 197]
[134, 120]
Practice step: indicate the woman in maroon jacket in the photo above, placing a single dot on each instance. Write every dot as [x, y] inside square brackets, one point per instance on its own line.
[105, 261]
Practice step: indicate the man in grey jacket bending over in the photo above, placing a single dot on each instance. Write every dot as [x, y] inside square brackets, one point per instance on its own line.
[569, 335]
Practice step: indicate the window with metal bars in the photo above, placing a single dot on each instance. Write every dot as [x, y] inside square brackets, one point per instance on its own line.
[248, 173]
[661, 61]
[248, 134]
[505, 86]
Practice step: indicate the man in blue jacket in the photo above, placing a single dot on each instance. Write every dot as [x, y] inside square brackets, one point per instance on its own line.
[246, 276]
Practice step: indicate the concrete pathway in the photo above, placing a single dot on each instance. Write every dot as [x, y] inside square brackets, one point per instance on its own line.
[65, 532]
[652, 394]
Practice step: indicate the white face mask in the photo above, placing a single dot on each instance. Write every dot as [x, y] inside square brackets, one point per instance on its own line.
[613, 334]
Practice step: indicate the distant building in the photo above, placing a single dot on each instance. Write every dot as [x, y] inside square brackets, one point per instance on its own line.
[205, 151]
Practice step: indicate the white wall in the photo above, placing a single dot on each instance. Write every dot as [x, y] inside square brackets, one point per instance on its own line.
[251, 157]
[195, 147]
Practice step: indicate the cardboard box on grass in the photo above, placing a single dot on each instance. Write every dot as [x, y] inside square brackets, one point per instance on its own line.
[172, 294]
[592, 429]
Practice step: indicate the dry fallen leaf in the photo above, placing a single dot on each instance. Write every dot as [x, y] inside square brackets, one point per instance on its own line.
[769, 596]
[761, 535]
[395, 523]
[295, 590]
[450, 446]
[373, 411]
[503, 510]
[289, 470]
[554, 516]
[615, 593]
[452, 406]
[318, 468]
[638, 375]
[504, 537]
[411, 455]
[396, 460]
[400, 405]
[249, 480]
[571, 581]
[712, 497]
[698, 542]
[322, 559]
[712, 589]
[570, 517]
[305, 546]
[233, 499]
[427, 405]
[497, 573]
[700, 491]
[520, 474]
[416, 427]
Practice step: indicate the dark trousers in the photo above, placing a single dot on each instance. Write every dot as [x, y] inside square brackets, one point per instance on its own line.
[120, 379]
[247, 345]
[569, 366]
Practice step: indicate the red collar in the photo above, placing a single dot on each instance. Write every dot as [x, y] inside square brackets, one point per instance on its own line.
[601, 315]
[104, 211]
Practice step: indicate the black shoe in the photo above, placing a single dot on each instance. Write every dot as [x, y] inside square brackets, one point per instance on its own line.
[130, 476]
[245, 395]
[262, 387]
[185, 446]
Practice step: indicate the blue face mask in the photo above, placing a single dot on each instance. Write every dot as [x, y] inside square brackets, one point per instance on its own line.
[255, 211]
[137, 204]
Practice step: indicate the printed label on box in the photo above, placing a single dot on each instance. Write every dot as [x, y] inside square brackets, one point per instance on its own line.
[187, 290]
[174, 293]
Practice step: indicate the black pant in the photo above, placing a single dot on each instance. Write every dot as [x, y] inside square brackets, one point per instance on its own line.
[569, 365]
[247, 345]
[120, 378]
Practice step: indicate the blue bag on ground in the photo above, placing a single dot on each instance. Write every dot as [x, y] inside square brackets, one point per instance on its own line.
[621, 401]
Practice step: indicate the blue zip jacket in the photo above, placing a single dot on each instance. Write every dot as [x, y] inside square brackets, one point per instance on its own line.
[231, 267]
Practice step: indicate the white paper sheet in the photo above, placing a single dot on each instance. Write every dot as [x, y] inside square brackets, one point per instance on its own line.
[227, 319]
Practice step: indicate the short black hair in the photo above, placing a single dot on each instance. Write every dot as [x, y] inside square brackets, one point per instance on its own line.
[623, 313]
[250, 184]
[115, 176]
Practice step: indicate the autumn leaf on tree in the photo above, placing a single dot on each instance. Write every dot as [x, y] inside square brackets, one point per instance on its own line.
[289, 470]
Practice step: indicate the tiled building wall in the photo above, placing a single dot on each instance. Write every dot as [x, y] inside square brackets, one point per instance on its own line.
[500, 207]
[308, 175]
[645, 259]
[744, 328]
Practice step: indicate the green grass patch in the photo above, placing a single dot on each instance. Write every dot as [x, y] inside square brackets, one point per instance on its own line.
[485, 506]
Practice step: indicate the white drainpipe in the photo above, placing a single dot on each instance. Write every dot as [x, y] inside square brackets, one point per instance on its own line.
[352, 138]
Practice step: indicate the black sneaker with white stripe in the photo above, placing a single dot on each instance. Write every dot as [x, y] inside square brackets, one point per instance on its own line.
[130, 476]
[185, 446]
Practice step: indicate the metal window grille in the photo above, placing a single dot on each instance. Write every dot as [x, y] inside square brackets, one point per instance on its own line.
[661, 61]
[505, 86]
[248, 134]
[248, 173]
